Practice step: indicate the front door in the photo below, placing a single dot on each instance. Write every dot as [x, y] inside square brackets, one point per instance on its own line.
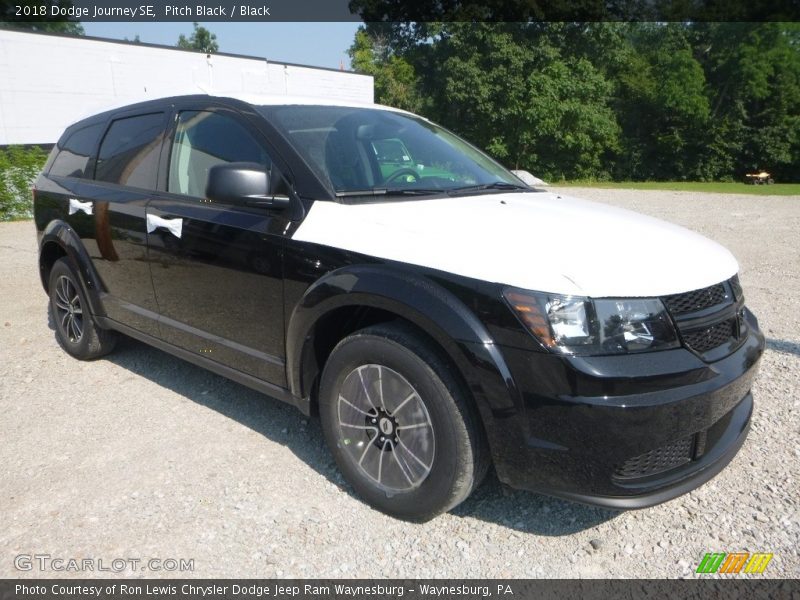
[217, 270]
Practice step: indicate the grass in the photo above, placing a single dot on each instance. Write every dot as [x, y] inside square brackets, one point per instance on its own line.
[776, 189]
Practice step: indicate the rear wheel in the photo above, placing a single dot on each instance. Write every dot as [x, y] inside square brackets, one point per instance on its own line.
[76, 330]
[399, 425]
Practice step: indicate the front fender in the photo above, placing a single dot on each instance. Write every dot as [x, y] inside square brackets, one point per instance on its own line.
[420, 301]
[60, 233]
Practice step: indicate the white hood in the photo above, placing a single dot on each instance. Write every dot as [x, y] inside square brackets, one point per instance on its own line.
[535, 241]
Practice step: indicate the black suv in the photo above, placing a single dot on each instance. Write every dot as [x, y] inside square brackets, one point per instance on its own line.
[439, 314]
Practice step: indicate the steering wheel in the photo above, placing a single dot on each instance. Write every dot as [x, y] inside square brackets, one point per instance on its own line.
[400, 172]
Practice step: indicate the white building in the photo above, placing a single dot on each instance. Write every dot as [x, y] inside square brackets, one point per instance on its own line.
[49, 81]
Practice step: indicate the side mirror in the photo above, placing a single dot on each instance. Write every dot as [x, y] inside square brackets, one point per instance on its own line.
[242, 184]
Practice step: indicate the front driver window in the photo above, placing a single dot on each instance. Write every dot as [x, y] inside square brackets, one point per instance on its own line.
[204, 139]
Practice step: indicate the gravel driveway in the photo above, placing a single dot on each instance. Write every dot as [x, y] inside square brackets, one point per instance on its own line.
[142, 455]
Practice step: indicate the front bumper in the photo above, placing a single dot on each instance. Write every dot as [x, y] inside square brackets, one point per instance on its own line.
[624, 431]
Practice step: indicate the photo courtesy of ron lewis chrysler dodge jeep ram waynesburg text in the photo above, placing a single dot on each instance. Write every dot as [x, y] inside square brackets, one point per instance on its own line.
[440, 316]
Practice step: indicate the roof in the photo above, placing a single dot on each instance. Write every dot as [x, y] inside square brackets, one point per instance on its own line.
[252, 99]
[280, 100]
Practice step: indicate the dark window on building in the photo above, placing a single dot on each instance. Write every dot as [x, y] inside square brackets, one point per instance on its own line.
[73, 157]
[130, 151]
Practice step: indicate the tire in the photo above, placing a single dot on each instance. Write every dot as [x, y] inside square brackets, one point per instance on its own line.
[76, 330]
[398, 423]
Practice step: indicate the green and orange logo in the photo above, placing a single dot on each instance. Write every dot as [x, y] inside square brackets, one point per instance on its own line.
[734, 562]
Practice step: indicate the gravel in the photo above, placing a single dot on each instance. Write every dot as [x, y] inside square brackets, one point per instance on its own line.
[143, 455]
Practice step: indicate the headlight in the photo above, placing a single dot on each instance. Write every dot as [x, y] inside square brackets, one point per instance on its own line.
[576, 325]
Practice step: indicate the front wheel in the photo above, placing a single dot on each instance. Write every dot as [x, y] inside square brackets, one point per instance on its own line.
[399, 425]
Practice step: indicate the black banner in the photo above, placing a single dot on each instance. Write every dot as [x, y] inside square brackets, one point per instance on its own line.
[397, 10]
[362, 589]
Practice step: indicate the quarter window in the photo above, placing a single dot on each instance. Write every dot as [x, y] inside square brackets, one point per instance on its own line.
[73, 157]
[204, 139]
[130, 150]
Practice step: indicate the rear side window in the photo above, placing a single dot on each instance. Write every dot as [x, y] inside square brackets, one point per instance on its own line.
[130, 150]
[73, 157]
[205, 139]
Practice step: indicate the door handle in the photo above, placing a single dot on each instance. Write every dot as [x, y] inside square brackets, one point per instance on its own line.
[75, 205]
[174, 226]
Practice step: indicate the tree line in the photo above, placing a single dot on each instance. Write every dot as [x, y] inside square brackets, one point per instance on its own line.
[621, 101]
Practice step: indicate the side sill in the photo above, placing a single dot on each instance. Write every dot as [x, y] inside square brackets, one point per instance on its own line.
[273, 391]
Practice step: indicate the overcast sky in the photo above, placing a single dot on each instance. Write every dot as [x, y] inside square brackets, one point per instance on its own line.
[317, 44]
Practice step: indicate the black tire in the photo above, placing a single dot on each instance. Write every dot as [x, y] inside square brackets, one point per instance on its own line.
[450, 456]
[76, 331]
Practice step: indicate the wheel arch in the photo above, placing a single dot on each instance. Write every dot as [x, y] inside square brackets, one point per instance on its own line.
[59, 240]
[352, 298]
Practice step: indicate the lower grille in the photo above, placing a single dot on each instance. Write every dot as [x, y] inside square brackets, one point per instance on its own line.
[658, 460]
[703, 340]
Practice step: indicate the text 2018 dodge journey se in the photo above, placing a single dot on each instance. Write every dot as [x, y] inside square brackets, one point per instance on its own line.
[441, 316]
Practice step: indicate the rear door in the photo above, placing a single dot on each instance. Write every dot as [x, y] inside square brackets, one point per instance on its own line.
[107, 173]
[217, 269]
[64, 195]
[125, 181]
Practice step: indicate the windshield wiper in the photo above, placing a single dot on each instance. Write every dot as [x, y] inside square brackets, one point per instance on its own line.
[389, 192]
[495, 185]
[413, 191]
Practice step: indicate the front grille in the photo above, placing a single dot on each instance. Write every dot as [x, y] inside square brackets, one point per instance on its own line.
[705, 318]
[696, 300]
[703, 340]
[658, 460]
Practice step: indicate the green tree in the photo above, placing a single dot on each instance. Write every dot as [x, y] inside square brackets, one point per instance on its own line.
[661, 105]
[511, 90]
[754, 75]
[19, 168]
[201, 39]
[695, 101]
[396, 82]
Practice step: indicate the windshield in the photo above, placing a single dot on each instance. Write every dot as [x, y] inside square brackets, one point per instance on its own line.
[363, 152]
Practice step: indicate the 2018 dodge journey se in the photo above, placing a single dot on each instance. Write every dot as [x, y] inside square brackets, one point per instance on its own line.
[439, 314]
